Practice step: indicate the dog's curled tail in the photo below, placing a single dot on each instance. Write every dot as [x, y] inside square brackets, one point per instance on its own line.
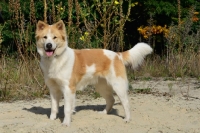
[136, 55]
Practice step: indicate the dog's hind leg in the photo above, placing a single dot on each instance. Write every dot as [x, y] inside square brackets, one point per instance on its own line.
[120, 86]
[74, 104]
[106, 91]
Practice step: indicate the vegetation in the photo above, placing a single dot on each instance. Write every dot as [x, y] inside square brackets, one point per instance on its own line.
[170, 27]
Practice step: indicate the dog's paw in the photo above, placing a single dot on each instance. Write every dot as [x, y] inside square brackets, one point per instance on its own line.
[73, 111]
[66, 122]
[53, 116]
[102, 112]
[126, 120]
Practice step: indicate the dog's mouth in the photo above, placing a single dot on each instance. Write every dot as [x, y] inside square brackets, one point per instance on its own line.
[49, 52]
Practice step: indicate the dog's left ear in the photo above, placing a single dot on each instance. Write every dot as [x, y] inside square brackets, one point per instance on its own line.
[60, 25]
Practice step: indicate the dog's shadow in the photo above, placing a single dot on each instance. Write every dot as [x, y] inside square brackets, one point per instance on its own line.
[46, 111]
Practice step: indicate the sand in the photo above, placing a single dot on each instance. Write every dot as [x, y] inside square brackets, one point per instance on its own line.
[172, 107]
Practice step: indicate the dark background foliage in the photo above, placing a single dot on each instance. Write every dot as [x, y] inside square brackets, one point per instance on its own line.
[159, 12]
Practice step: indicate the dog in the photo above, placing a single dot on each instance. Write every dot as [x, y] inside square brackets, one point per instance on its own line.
[67, 70]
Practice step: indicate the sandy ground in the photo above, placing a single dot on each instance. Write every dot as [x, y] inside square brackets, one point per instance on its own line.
[174, 107]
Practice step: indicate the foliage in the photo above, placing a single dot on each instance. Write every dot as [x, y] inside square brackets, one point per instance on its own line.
[98, 23]
[154, 30]
[104, 21]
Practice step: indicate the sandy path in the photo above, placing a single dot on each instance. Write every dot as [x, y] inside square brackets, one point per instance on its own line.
[150, 113]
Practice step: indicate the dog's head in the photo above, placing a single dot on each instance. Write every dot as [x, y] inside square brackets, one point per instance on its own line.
[51, 40]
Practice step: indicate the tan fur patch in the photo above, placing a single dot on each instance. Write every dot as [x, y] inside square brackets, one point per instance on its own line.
[119, 68]
[125, 55]
[40, 33]
[85, 58]
[59, 31]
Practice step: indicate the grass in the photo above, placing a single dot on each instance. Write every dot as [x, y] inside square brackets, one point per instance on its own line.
[20, 80]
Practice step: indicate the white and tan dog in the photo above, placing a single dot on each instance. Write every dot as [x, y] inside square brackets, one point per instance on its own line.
[67, 70]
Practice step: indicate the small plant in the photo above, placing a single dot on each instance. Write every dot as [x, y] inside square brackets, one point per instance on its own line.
[143, 90]
[171, 91]
[148, 31]
[130, 87]
[147, 78]
[96, 95]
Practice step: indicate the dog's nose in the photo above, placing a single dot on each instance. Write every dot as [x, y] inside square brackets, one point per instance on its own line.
[48, 45]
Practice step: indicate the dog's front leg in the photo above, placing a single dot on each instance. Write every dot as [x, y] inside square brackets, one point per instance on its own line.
[55, 98]
[69, 99]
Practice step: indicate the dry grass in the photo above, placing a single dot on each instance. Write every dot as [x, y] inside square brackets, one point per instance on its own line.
[20, 80]
[181, 65]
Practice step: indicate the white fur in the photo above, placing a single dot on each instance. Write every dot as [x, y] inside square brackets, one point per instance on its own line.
[54, 69]
[110, 54]
[88, 78]
[50, 39]
[138, 53]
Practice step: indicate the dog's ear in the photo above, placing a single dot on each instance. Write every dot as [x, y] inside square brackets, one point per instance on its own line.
[41, 25]
[60, 25]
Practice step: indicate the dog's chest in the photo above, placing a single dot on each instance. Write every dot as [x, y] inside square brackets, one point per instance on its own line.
[61, 69]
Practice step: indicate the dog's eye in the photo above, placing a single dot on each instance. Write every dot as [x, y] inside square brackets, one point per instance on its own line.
[54, 37]
[45, 37]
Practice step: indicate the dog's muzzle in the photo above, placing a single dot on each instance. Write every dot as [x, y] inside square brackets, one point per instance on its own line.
[49, 50]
